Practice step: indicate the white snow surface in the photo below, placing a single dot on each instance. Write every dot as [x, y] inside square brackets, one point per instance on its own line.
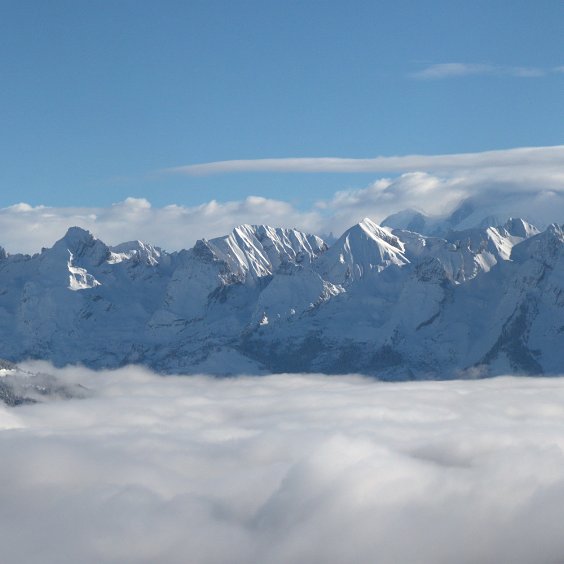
[363, 249]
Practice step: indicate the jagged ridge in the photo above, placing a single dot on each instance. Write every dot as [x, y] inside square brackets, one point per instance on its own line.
[388, 302]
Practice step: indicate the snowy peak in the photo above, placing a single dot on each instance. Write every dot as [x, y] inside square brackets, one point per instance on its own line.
[243, 253]
[544, 247]
[137, 251]
[238, 266]
[518, 227]
[86, 250]
[363, 249]
[288, 245]
[69, 261]
[76, 239]
[466, 254]
[255, 251]
[377, 233]
[462, 257]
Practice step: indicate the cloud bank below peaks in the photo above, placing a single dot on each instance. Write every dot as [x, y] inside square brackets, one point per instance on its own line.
[525, 182]
[284, 469]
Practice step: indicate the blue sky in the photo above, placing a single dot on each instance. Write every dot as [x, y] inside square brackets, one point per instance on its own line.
[96, 96]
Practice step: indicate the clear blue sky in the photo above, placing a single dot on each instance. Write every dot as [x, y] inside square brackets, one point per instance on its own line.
[95, 95]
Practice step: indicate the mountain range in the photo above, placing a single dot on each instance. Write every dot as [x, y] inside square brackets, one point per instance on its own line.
[409, 299]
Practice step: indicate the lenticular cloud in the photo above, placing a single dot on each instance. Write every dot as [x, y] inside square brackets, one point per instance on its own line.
[284, 469]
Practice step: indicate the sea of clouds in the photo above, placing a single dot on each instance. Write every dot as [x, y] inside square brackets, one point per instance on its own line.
[283, 469]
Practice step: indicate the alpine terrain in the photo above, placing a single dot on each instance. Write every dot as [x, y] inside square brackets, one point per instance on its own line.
[408, 299]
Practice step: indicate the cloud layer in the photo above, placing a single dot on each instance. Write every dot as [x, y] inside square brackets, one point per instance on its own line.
[284, 469]
[24, 228]
[526, 182]
[522, 157]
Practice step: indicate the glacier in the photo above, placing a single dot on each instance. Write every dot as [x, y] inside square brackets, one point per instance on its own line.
[407, 299]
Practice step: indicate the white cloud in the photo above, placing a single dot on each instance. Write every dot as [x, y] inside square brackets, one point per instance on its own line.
[446, 70]
[453, 70]
[284, 469]
[525, 182]
[26, 229]
[521, 157]
[536, 195]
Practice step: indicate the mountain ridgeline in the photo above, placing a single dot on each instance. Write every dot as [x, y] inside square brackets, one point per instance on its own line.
[382, 300]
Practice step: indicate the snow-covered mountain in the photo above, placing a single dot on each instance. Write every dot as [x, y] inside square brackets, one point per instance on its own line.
[387, 301]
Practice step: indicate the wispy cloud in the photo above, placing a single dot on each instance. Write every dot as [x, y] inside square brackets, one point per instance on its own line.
[553, 156]
[284, 469]
[453, 70]
[446, 70]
